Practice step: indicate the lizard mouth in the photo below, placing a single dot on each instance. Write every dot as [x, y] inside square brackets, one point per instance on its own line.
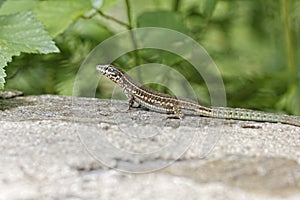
[109, 72]
[102, 68]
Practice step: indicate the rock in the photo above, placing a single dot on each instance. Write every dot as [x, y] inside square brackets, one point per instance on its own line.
[7, 94]
[55, 147]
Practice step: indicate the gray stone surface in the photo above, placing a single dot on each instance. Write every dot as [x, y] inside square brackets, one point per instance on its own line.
[54, 147]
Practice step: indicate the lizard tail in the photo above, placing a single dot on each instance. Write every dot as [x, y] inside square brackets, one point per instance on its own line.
[252, 115]
[293, 120]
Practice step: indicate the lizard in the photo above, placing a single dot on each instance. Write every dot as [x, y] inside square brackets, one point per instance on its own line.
[165, 103]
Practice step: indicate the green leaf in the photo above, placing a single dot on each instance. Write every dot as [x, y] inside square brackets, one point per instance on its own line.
[14, 6]
[97, 3]
[1, 1]
[22, 33]
[89, 29]
[109, 3]
[2, 76]
[57, 15]
[290, 101]
[165, 19]
[209, 6]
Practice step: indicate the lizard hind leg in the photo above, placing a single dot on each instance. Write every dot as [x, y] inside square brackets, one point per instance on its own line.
[132, 103]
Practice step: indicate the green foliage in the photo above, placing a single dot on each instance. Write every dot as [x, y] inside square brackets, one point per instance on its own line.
[21, 32]
[165, 19]
[11, 6]
[57, 15]
[2, 76]
[108, 4]
[254, 44]
[209, 7]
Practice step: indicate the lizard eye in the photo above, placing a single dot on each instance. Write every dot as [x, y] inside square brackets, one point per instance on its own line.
[112, 74]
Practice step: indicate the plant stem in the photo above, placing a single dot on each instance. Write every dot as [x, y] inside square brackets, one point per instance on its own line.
[133, 39]
[128, 26]
[289, 37]
[129, 14]
[176, 5]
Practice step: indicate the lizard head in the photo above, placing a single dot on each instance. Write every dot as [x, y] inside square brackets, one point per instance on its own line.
[111, 72]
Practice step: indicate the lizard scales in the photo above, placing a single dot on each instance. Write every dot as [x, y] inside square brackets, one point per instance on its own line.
[160, 102]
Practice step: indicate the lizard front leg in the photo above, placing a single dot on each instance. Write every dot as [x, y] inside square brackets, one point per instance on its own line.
[177, 113]
[131, 103]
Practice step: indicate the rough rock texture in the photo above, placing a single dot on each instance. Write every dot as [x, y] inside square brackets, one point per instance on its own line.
[54, 147]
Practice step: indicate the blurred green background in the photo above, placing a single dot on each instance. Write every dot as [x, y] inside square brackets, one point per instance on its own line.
[255, 44]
